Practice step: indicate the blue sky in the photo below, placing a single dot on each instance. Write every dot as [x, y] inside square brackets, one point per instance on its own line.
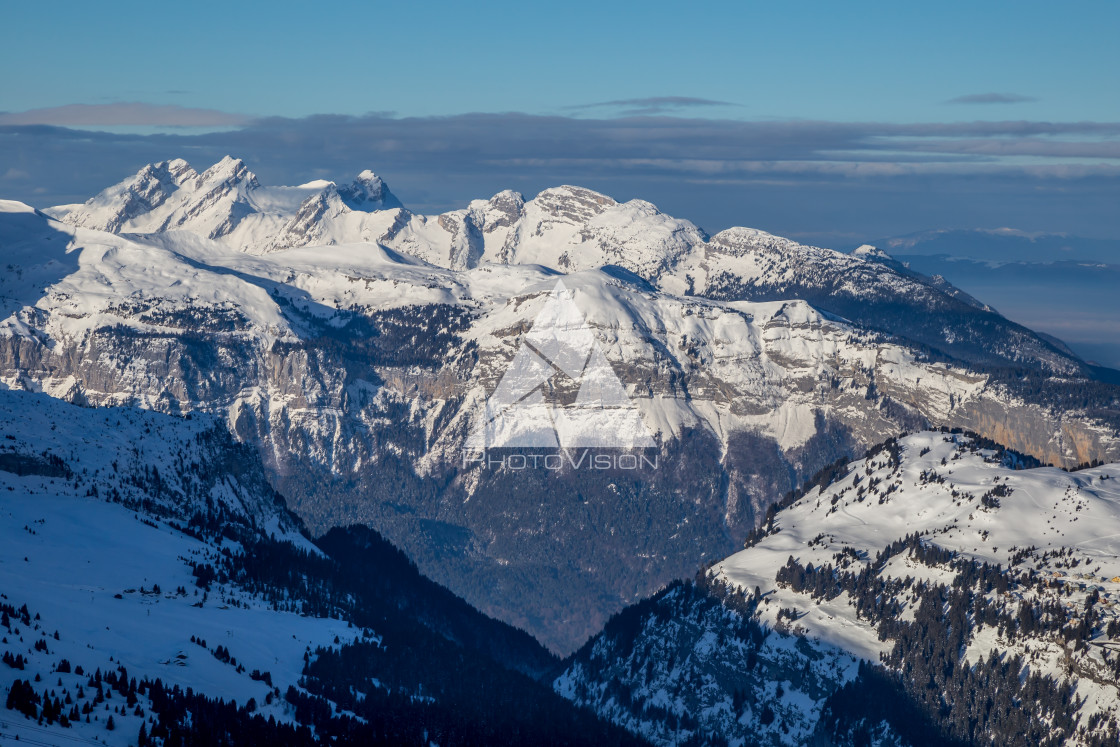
[832, 122]
[856, 61]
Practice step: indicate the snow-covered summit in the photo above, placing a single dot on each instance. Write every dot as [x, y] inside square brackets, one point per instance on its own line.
[369, 192]
[867, 251]
[139, 195]
[227, 203]
[170, 195]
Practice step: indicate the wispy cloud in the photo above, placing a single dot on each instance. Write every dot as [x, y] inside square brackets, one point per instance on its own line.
[992, 98]
[877, 178]
[126, 114]
[651, 105]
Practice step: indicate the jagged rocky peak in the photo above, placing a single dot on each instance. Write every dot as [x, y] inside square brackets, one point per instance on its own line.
[173, 173]
[306, 225]
[176, 171]
[137, 195]
[369, 192]
[213, 204]
[229, 172]
[503, 209]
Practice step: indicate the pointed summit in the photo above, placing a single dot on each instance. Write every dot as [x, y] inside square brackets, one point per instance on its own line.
[135, 197]
[369, 192]
[229, 170]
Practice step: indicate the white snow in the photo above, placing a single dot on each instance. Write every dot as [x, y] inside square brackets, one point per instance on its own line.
[87, 568]
[1046, 508]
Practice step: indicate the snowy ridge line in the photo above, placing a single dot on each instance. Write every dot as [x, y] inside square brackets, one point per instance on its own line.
[238, 301]
[935, 537]
[567, 228]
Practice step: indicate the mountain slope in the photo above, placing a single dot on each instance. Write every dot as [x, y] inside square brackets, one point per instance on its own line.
[985, 591]
[149, 574]
[358, 370]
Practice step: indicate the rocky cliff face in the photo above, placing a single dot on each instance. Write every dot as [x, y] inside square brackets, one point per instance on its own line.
[358, 365]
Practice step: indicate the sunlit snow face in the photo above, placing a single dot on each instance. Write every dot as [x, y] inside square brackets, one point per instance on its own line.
[524, 412]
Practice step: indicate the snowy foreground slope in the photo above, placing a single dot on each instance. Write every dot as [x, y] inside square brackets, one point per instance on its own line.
[129, 552]
[355, 345]
[110, 578]
[988, 595]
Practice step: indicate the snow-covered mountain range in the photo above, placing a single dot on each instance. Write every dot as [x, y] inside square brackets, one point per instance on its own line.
[569, 229]
[199, 372]
[354, 345]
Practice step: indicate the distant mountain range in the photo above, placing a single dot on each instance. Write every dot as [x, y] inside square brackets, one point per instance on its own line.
[1060, 285]
[244, 499]
[354, 344]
